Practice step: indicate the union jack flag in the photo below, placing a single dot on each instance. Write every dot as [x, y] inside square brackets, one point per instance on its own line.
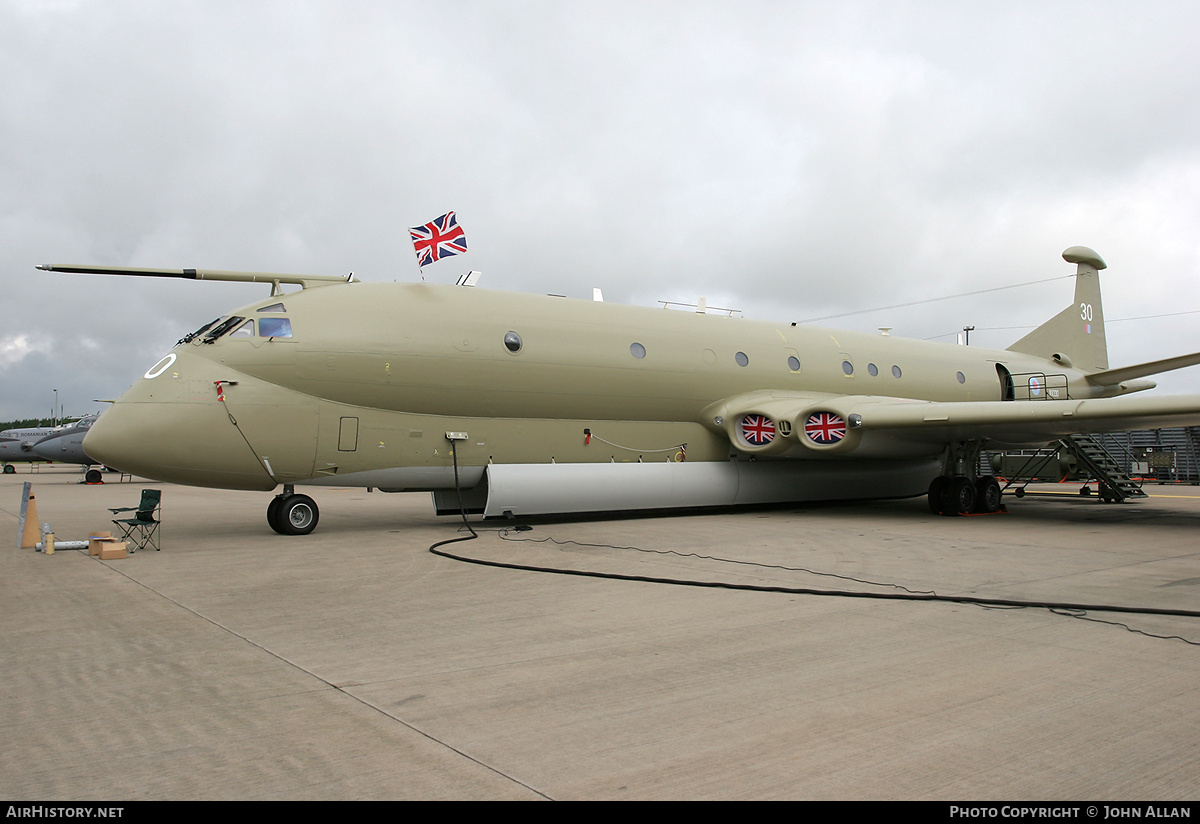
[824, 428]
[439, 238]
[758, 430]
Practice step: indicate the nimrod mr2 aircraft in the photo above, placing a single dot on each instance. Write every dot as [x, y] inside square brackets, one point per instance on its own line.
[539, 404]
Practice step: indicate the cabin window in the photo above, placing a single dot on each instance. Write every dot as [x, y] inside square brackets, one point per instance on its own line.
[793, 363]
[637, 350]
[872, 370]
[961, 377]
[847, 368]
[246, 330]
[741, 359]
[274, 328]
[274, 307]
[896, 371]
[512, 342]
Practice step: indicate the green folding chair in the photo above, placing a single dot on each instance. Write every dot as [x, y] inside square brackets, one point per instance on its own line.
[142, 528]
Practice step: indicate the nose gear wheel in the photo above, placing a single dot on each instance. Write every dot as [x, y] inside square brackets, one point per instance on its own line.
[291, 514]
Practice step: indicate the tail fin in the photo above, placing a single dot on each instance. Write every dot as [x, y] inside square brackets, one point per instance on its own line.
[1075, 336]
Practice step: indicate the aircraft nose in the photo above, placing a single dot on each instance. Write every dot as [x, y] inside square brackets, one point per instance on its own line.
[51, 449]
[170, 428]
[114, 442]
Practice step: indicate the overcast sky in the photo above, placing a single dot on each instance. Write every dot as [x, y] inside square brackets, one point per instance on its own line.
[792, 160]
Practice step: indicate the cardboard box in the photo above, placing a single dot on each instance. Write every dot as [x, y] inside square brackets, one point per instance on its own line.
[111, 550]
[94, 540]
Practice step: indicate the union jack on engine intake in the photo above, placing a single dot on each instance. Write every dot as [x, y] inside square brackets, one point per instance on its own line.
[824, 428]
[758, 430]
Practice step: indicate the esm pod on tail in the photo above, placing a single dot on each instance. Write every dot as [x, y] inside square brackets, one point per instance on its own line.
[549, 405]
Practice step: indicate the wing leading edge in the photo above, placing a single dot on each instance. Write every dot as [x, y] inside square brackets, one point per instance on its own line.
[875, 426]
[1024, 422]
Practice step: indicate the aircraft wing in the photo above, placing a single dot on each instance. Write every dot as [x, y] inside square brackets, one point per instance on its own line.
[840, 424]
[1019, 422]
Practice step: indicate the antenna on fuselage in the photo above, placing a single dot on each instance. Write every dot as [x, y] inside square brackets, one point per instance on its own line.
[469, 279]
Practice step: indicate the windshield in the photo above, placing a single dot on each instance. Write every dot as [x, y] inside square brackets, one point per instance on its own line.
[222, 327]
[190, 336]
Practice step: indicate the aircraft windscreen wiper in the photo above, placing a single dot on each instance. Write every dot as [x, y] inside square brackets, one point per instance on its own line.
[222, 328]
[191, 336]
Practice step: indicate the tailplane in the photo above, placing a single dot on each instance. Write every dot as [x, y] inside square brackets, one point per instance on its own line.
[1075, 336]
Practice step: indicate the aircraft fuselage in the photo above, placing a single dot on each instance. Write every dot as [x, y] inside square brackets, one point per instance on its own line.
[370, 378]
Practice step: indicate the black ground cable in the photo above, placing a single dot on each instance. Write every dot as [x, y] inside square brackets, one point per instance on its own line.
[780, 567]
[462, 510]
[885, 596]
[1068, 609]
[1078, 611]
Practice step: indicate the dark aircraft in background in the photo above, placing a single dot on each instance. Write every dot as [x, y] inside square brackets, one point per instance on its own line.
[65, 445]
[62, 444]
[16, 446]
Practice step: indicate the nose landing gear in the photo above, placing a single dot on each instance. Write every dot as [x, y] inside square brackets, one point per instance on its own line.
[292, 514]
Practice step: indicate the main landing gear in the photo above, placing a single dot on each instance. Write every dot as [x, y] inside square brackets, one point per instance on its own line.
[960, 495]
[292, 514]
[959, 490]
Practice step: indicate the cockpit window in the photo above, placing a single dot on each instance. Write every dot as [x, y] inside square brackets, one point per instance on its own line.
[222, 327]
[246, 330]
[188, 338]
[274, 327]
[274, 307]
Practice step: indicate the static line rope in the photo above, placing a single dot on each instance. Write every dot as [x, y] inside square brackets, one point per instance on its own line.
[933, 300]
[221, 397]
[676, 448]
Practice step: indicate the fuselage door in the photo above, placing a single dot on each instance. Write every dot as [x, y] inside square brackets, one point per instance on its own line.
[1006, 383]
[348, 435]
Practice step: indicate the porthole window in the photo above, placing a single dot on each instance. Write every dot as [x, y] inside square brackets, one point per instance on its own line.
[847, 367]
[895, 371]
[741, 359]
[961, 377]
[793, 363]
[512, 341]
[637, 350]
[872, 369]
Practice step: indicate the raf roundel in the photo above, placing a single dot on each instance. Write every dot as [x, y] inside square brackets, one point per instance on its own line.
[824, 428]
[160, 367]
[757, 430]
